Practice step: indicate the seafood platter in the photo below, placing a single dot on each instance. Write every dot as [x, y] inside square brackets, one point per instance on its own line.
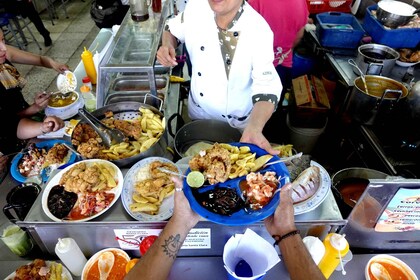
[82, 191]
[34, 160]
[41, 269]
[147, 193]
[239, 187]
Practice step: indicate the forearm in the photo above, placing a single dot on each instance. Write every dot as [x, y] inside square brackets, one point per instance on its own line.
[260, 114]
[297, 259]
[28, 129]
[30, 111]
[169, 40]
[157, 262]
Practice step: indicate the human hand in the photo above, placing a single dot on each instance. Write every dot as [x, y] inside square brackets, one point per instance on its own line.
[59, 67]
[182, 209]
[166, 56]
[256, 137]
[51, 123]
[41, 100]
[283, 220]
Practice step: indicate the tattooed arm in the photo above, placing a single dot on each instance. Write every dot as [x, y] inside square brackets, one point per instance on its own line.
[157, 262]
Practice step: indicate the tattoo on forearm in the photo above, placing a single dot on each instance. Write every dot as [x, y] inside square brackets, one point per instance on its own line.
[172, 246]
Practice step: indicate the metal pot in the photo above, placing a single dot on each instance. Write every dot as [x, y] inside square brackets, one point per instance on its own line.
[384, 95]
[395, 13]
[209, 131]
[375, 59]
[132, 108]
[349, 184]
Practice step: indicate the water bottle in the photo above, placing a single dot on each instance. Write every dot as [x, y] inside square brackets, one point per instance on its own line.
[70, 254]
[336, 247]
[87, 59]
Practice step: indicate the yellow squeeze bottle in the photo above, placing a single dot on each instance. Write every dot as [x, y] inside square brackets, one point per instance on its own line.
[336, 247]
[87, 59]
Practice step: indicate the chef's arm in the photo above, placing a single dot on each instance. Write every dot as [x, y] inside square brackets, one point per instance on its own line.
[299, 36]
[28, 128]
[166, 53]
[260, 114]
[157, 262]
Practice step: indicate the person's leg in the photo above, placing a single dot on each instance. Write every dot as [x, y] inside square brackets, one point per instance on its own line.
[33, 15]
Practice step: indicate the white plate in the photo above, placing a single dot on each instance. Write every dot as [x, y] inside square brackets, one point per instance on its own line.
[72, 80]
[65, 274]
[320, 195]
[167, 207]
[66, 113]
[405, 64]
[56, 179]
[93, 259]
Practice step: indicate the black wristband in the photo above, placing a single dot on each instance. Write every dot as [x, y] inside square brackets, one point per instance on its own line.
[279, 238]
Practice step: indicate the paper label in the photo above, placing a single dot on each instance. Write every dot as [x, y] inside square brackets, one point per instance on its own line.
[129, 239]
[402, 212]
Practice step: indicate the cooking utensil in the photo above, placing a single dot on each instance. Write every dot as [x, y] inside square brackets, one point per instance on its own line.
[353, 63]
[376, 59]
[110, 136]
[395, 13]
[285, 159]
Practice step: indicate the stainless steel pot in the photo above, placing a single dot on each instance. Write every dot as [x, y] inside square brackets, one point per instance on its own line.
[209, 131]
[132, 108]
[375, 59]
[395, 13]
[384, 95]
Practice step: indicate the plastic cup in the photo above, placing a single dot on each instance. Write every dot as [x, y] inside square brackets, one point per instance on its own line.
[16, 239]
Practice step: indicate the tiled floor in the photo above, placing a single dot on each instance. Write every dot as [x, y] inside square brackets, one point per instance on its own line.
[69, 36]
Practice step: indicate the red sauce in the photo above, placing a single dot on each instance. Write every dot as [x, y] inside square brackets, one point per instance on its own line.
[257, 204]
[117, 271]
[76, 212]
[351, 189]
[394, 272]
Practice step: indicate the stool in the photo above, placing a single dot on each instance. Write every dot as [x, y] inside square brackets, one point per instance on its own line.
[4, 22]
[18, 29]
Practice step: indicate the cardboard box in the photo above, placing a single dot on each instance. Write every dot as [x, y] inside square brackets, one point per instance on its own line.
[312, 104]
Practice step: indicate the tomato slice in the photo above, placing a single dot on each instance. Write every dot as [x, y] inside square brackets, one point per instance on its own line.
[146, 243]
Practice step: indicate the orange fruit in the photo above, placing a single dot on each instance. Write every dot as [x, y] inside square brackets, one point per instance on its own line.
[131, 263]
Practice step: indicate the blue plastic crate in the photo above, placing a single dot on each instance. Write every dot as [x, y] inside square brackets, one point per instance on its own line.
[394, 38]
[338, 30]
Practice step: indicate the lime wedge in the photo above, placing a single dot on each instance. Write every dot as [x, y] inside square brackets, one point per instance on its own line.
[195, 179]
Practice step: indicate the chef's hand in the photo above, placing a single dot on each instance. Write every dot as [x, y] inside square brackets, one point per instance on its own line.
[166, 56]
[41, 100]
[255, 136]
[51, 123]
[283, 220]
[58, 66]
[182, 210]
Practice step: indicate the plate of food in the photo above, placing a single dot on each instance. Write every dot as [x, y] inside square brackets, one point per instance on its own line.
[110, 262]
[48, 270]
[408, 57]
[82, 191]
[239, 187]
[310, 188]
[147, 193]
[31, 162]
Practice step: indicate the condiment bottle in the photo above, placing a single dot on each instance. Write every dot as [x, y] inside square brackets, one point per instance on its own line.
[336, 247]
[87, 59]
[86, 82]
[89, 98]
[70, 254]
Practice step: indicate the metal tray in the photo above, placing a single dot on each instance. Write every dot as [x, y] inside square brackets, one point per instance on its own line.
[137, 83]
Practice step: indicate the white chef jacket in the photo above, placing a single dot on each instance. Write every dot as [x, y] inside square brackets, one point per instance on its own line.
[212, 95]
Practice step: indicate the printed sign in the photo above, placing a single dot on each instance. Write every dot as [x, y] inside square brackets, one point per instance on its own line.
[402, 212]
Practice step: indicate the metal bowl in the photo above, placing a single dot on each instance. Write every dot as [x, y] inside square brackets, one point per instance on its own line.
[394, 13]
[131, 110]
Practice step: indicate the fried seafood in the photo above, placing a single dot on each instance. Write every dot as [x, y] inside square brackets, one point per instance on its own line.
[306, 184]
[40, 270]
[56, 155]
[129, 128]
[214, 163]
[410, 56]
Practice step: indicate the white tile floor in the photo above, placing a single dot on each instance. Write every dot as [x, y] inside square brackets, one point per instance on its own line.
[69, 36]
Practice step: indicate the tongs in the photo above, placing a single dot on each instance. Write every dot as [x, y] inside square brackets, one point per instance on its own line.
[110, 136]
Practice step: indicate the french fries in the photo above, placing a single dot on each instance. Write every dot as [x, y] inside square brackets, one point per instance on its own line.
[56, 269]
[150, 191]
[152, 127]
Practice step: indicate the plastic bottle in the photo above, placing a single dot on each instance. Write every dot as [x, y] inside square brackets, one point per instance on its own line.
[86, 82]
[70, 254]
[89, 98]
[336, 247]
[87, 59]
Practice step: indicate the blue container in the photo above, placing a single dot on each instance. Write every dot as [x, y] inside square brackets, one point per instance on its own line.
[302, 64]
[394, 38]
[338, 30]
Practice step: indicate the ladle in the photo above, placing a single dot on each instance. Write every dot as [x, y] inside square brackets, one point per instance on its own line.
[110, 136]
[362, 75]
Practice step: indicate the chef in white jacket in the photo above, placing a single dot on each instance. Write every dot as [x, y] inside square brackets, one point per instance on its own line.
[233, 78]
